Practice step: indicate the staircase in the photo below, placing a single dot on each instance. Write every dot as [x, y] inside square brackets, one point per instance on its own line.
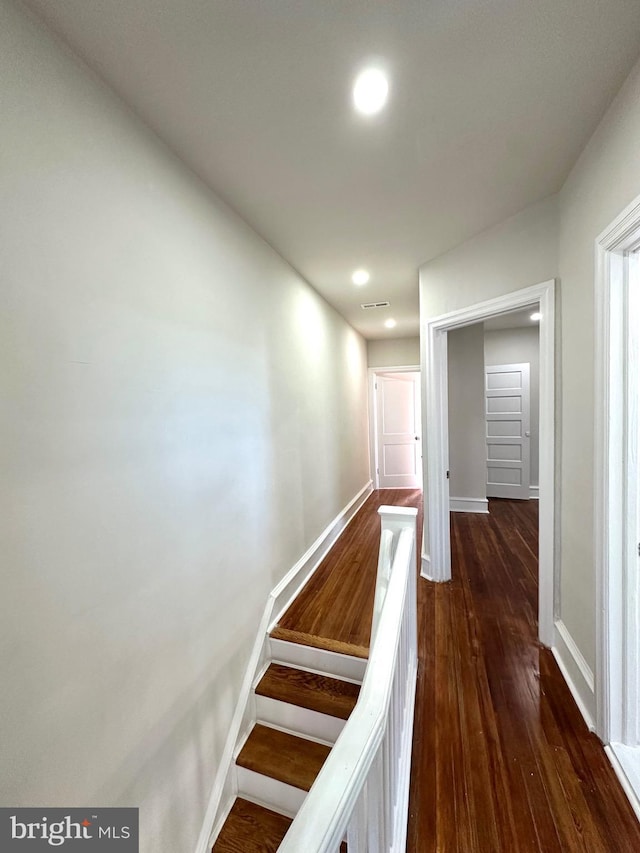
[289, 782]
[302, 701]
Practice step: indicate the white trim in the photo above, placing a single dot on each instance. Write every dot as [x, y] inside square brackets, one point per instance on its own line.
[373, 420]
[225, 784]
[625, 760]
[534, 493]
[425, 566]
[576, 671]
[469, 505]
[617, 641]
[435, 419]
[435, 439]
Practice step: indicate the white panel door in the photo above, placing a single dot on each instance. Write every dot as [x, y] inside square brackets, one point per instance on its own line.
[507, 416]
[398, 430]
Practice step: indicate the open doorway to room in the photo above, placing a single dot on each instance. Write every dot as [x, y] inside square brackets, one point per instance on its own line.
[512, 404]
[436, 559]
[493, 401]
[395, 426]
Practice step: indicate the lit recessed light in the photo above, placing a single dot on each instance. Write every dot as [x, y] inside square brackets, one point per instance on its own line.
[536, 316]
[370, 91]
[390, 323]
[360, 277]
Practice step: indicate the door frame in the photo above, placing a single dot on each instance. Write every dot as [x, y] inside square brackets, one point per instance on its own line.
[617, 680]
[436, 557]
[373, 423]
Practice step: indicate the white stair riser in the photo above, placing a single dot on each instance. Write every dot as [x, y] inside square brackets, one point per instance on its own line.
[274, 794]
[317, 660]
[302, 721]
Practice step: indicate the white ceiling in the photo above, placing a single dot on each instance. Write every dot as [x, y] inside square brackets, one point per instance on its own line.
[491, 102]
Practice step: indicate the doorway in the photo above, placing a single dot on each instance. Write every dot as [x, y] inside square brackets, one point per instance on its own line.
[395, 427]
[493, 411]
[436, 557]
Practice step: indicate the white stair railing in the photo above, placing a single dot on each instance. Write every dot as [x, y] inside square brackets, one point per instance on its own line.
[362, 791]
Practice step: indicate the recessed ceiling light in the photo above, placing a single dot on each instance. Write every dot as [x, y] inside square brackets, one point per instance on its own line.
[370, 91]
[360, 277]
[536, 316]
[390, 323]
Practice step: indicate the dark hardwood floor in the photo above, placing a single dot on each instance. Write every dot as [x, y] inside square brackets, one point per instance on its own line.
[502, 760]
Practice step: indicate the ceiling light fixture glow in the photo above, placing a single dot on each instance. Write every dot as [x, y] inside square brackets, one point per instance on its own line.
[536, 316]
[360, 277]
[390, 323]
[370, 91]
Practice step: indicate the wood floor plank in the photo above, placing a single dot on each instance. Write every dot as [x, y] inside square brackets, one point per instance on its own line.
[309, 690]
[330, 644]
[283, 756]
[250, 828]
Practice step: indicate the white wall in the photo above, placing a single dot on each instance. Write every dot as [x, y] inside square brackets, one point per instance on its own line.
[393, 352]
[517, 253]
[604, 181]
[182, 417]
[467, 449]
[519, 346]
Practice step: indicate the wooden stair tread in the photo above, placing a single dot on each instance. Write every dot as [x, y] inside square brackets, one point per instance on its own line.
[309, 690]
[283, 756]
[326, 643]
[250, 828]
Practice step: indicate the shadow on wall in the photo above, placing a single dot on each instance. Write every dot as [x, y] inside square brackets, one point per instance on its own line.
[316, 379]
[187, 738]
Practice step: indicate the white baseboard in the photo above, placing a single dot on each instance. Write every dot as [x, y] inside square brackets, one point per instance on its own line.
[625, 760]
[469, 505]
[225, 784]
[534, 493]
[576, 672]
[426, 570]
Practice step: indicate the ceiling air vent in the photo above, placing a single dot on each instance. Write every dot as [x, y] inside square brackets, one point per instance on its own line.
[374, 304]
